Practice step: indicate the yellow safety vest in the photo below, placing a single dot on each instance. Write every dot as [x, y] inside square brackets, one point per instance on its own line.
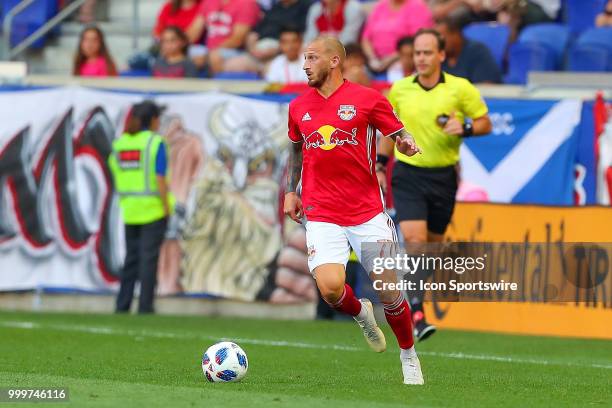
[132, 164]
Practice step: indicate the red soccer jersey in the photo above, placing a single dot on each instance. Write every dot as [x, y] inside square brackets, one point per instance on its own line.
[339, 182]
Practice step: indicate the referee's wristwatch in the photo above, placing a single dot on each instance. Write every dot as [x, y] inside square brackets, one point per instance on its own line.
[468, 129]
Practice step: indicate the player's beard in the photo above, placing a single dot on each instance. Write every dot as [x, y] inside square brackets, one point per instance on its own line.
[318, 80]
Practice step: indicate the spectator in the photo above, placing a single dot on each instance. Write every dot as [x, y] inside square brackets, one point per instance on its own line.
[605, 19]
[466, 58]
[173, 61]
[549, 7]
[355, 68]
[92, 57]
[389, 21]
[287, 67]
[282, 14]
[405, 66]
[262, 44]
[520, 13]
[179, 13]
[227, 23]
[87, 12]
[339, 18]
[442, 9]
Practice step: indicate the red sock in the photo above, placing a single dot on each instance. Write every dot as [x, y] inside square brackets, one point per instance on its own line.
[347, 303]
[399, 318]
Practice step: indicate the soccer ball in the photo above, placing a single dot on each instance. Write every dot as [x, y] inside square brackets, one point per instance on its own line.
[224, 362]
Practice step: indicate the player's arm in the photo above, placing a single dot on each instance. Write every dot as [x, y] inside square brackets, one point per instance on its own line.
[404, 142]
[293, 204]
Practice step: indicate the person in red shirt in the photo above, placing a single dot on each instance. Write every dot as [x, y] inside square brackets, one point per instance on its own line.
[179, 13]
[227, 24]
[333, 130]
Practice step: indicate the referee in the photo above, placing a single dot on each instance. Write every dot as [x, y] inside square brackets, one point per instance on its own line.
[439, 110]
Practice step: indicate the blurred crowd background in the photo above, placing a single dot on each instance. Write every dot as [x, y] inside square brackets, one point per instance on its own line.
[487, 41]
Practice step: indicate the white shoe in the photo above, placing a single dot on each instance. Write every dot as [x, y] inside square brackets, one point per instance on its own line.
[372, 333]
[411, 367]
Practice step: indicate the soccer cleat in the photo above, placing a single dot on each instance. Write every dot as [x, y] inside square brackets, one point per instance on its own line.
[422, 329]
[372, 333]
[411, 368]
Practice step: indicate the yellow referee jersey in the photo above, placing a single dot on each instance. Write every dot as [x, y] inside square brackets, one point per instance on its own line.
[419, 110]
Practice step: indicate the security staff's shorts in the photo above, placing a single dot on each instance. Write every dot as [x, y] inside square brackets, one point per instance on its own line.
[421, 193]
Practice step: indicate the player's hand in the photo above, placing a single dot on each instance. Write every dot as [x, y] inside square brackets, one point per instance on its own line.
[406, 145]
[453, 126]
[381, 175]
[293, 207]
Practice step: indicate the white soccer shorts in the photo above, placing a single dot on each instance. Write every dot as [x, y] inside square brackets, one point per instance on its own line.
[329, 243]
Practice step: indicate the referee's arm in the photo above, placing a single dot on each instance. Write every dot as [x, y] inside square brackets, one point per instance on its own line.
[475, 127]
[472, 106]
[482, 125]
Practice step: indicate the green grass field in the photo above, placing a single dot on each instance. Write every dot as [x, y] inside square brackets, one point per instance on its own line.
[123, 361]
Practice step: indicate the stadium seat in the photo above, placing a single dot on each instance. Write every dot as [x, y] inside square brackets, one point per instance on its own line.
[382, 76]
[494, 36]
[135, 73]
[244, 76]
[598, 37]
[590, 59]
[552, 35]
[30, 19]
[525, 57]
[580, 14]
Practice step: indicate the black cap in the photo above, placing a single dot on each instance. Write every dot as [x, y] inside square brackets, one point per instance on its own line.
[146, 111]
[147, 108]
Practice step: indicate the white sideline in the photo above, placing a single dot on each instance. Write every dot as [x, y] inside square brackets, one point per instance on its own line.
[274, 343]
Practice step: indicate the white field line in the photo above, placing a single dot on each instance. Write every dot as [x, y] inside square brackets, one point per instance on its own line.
[275, 343]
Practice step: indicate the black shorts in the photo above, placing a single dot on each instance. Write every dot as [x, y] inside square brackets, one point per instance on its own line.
[421, 193]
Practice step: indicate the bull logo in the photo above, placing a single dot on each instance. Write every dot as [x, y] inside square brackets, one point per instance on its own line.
[327, 137]
[347, 112]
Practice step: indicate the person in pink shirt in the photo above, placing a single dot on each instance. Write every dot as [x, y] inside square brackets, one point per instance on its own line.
[92, 57]
[389, 21]
[227, 23]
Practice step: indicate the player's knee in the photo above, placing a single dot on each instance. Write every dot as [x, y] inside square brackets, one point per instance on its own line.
[331, 289]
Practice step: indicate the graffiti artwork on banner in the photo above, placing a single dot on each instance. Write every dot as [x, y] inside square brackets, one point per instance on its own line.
[57, 192]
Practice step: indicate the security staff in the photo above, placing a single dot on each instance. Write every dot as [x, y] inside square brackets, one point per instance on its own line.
[439, 110]
[139, 165]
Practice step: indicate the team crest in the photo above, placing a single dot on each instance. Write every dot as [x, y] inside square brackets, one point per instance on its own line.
[347, 112]
[311, 252]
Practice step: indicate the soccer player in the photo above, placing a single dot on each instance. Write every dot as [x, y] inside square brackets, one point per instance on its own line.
[440, 110]
[332, 127]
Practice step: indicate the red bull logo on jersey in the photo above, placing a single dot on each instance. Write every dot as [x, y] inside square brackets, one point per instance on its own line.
[347, 112]
[327, 137]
